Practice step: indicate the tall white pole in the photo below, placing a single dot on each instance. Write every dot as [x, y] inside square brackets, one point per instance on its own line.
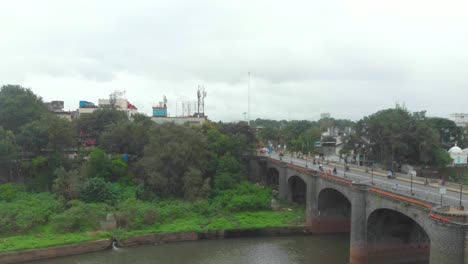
[248, 102]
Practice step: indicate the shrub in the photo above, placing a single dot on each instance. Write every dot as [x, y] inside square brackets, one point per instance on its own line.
[225, 180]
[134, 214]
[79, 217]
[68, 184]
[27, 211]
[173, 209]
[99, 165]
[97, 190]
[244, 197]
[8, 192]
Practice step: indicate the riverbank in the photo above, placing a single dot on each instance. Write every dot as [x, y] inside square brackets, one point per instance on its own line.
[42, 246]
[148, 239]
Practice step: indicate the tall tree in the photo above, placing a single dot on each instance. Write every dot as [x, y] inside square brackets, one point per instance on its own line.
[395, 136]
[127, 137]
[91, 126]
[48, 132]
[173, 152]
[9, 152]
[19, 106]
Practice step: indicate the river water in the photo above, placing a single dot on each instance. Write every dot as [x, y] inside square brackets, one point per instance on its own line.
[329, 249]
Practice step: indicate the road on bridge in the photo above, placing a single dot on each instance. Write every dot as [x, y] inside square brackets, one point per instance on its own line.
[420, 191]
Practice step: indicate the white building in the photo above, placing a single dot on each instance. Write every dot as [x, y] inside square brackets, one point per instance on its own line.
[460, 119]
[458, 155]
[121, 104]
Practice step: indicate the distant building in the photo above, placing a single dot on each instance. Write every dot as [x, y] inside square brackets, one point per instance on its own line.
[333, 139]
[120, 104]
[325, 115]
[86, 107]
[459, 156]
[460, 119]
[56, 107]
[161, 116]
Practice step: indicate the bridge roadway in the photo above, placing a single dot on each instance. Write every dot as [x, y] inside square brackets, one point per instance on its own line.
[424, 192]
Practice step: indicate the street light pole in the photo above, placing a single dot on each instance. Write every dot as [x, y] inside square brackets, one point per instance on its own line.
[461, 192]
[411, 184]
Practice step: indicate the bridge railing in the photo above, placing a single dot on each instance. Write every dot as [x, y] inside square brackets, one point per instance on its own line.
[392, 187]
[431, 197]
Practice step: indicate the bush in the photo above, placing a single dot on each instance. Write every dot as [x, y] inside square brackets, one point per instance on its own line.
[99, 165]
[27, 211]
[97, 190]
[79, 217]
[173, 209]
[225, 181]
[244, 197]
[203, 207]
[134, 214]
[8, 192]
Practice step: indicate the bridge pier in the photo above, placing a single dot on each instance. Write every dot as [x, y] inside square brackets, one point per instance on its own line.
[358, 239]
[311, 205]
[447, 244]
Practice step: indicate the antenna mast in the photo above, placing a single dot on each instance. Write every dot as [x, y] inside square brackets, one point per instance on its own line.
[248, 102]
[199, 100]
[203, 100]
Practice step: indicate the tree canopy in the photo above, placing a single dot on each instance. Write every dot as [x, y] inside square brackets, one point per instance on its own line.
[18, 107]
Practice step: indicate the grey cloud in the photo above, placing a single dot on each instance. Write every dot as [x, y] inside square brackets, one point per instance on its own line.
[305, 57]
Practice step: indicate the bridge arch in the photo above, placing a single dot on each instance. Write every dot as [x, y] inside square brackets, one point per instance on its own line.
[272, 177]
[333, 212]
[394, 235]
[297, 187]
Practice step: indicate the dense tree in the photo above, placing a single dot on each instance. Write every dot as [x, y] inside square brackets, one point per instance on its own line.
[195, 185]
[91, 126]
[68, 184]
[99, 165]
[9, 152]
[126, 137]
[395, 136]
[448, 131]
[171, 153]
[19, 106]
[47, 133]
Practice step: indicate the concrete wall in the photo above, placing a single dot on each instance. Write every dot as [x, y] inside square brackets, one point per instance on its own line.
[46, 253]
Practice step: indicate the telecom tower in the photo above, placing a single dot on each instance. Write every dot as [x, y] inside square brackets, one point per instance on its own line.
[201, 95]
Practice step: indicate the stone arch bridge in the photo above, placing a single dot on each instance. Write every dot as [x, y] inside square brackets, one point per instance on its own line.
[384, 227]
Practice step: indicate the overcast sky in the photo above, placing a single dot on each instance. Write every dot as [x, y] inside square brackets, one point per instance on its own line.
[347, 57]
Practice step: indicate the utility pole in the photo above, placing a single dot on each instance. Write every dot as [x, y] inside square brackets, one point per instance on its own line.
[411, 184]
[248, 101]
[461, 192]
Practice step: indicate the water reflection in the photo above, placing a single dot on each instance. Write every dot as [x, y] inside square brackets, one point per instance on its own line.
[285, 250]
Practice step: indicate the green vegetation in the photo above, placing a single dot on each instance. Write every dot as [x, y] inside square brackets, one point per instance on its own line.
[43, 240]
[60, 180]
[388, 138]
[44, 221]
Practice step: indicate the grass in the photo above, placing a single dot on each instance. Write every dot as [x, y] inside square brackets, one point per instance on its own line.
[244, 220]
[193, 223]
[17, 243]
